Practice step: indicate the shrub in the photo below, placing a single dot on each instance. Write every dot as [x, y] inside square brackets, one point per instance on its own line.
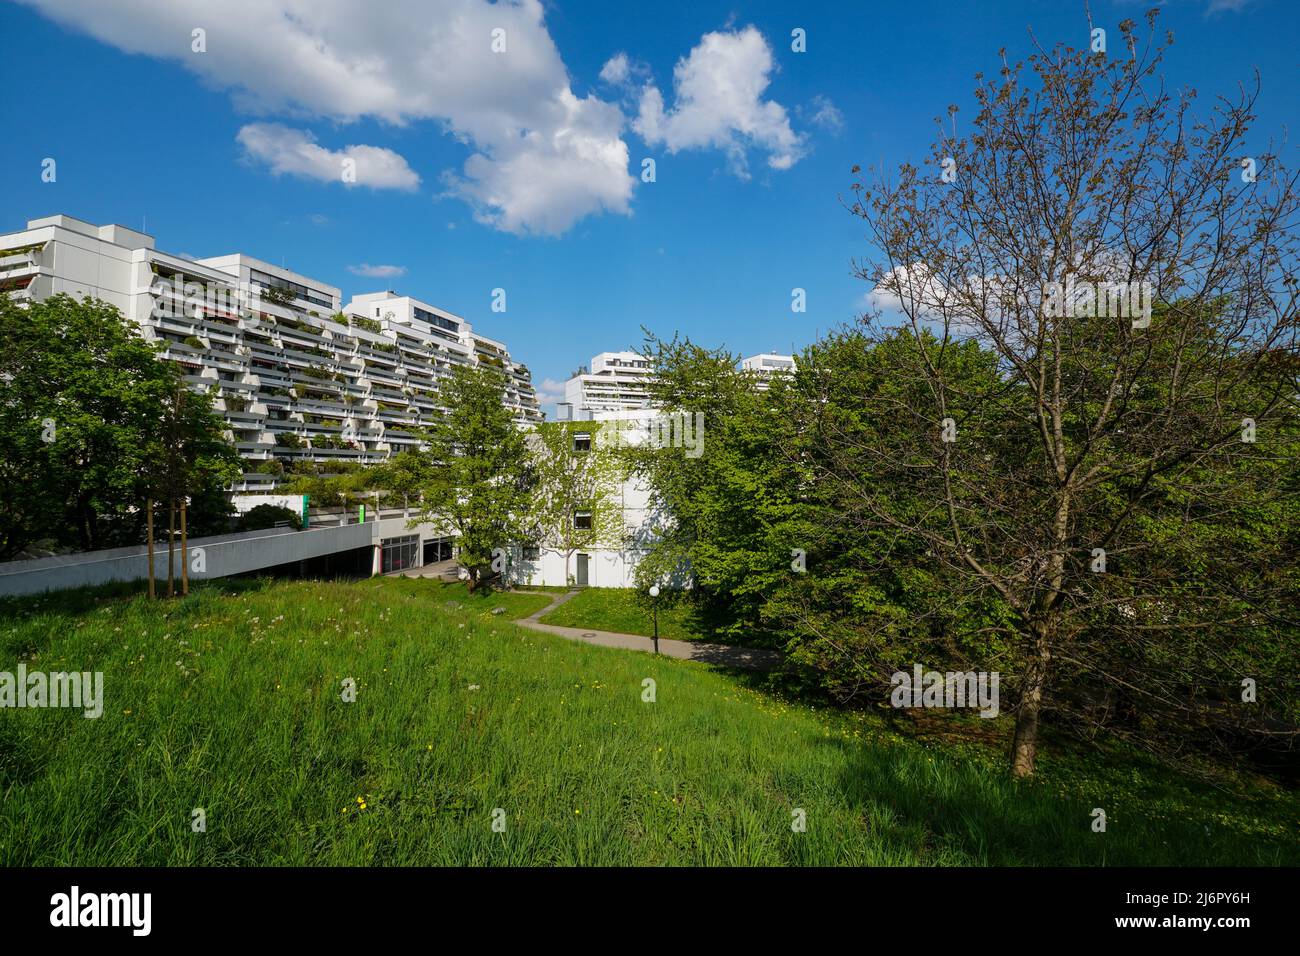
[268, 516]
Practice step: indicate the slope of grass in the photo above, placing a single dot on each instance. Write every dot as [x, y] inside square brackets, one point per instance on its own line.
[230, 701]
[617, 609]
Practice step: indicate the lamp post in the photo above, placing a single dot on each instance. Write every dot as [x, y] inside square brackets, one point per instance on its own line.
[654, 598]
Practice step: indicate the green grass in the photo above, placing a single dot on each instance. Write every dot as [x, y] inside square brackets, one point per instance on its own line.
[229, 700]
[616, 609]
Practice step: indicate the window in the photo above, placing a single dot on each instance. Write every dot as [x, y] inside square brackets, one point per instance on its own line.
[532, 552]
[399, 553]
[582, 441]
[582, 520]
[424, 315]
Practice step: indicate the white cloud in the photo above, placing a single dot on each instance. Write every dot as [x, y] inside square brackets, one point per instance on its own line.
[542, 157]
[826, 115]
[377, 272]
[719, 103]
[623, 71]
[550, 392]
[616, 69]
[296, 153]
[910, 289]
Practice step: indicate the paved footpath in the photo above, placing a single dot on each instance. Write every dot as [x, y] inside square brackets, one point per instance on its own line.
[723, 655]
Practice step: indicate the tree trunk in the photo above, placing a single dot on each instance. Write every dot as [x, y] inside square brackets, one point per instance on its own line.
[1024, 746]
[149, 524]
[185, 553]
[171, 547]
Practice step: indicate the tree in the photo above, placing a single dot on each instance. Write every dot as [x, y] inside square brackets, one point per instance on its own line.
[261, 517]
[188, 454]
[82, 401]
[474, 472]
[730, 513]
[1056, 488]
[575, 502]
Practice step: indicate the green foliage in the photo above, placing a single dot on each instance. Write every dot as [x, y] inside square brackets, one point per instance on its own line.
[95, 424]
[831, 465]
[473, 471]
[261, 517]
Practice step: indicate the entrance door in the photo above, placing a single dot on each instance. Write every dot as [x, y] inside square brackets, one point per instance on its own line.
[582, 570]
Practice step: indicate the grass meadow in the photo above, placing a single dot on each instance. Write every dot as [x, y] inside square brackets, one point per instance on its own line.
[230, 700]
[617, 609]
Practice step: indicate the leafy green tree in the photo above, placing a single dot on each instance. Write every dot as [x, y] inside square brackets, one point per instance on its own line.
[78, 391]
[474, 473]
[85, 403]
[728, 517]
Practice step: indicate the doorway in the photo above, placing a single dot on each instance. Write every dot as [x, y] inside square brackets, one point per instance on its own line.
[582, 571]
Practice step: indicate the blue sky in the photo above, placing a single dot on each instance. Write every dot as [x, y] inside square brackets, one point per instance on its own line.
[522, 169]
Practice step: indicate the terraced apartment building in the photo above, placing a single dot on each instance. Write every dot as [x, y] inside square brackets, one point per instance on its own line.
[294, 372]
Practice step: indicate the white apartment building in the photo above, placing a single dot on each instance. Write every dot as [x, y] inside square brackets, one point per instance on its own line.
[611, 564]
[613, 394]
[765, 365]
[293, 374]
[615, 382]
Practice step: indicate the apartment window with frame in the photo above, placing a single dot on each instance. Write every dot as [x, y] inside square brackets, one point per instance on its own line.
[582, 441]
[582, 520]
[532, 552]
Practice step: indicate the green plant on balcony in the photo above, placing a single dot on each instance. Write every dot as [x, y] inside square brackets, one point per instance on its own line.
[194, 342]
[288, 440]
[278, 296]
[370, 325]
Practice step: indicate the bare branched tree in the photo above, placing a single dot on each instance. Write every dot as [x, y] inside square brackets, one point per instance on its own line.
[1131, 269]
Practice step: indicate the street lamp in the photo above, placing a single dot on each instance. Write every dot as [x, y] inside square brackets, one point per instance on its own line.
[654, 595]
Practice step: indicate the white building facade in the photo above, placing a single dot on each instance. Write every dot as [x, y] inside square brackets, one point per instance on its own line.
[292, 372]
[613, 563]
[615, 382]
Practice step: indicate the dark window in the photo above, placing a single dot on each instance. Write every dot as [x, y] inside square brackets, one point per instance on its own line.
[400, 553]
[298, 290]
[424, 315]
[582, 441]
[532, 552]
[582, 520]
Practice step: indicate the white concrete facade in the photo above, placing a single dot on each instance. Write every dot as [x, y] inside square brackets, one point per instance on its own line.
[612, 564]
[765, 365]
[293, 374]
[615, 382]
